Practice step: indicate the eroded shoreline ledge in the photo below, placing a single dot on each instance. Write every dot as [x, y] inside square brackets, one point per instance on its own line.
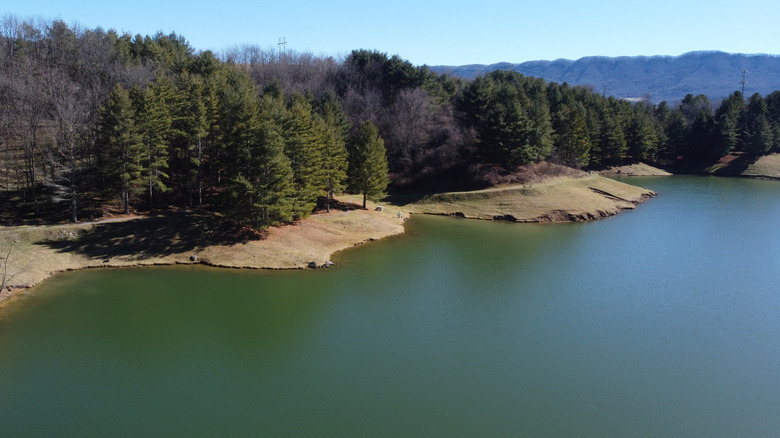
[185, 238]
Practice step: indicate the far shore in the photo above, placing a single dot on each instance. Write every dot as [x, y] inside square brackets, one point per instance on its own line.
[40, 252]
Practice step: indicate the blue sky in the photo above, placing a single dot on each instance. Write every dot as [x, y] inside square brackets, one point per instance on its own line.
[440, 32]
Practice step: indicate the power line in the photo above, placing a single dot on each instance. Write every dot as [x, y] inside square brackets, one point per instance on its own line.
[282, 45]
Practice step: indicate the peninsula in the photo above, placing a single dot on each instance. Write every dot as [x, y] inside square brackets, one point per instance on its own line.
[181, 237]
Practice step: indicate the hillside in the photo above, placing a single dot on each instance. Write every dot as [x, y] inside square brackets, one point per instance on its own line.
[661, 78]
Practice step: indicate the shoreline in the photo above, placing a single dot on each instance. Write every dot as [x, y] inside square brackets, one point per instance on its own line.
[40, 252]
[187, 238]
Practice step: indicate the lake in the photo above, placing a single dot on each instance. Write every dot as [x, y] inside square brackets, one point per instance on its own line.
[662, 321]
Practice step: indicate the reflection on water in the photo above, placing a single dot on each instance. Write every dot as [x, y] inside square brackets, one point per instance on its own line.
[658, 322]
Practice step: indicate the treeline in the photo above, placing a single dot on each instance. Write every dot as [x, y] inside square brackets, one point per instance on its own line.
[91, 116]
[519, 120]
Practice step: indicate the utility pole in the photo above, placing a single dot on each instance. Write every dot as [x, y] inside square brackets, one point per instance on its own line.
[744, 79]
[282, 45]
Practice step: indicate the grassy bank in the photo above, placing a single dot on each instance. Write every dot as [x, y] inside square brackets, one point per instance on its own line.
[767, 166]
[638, 169]
[38, 252]
[554, 200]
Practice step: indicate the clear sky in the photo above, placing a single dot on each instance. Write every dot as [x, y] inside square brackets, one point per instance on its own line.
[437, 32]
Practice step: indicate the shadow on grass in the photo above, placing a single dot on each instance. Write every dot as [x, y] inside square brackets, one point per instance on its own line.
[403, 199]
[154, 236]
[737, 165]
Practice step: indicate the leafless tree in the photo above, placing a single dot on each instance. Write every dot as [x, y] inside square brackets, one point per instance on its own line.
[70, 103]
[8, 269]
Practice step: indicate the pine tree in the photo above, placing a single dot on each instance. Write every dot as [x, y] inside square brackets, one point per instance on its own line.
[121, 147]
[154, 119]
[259, 189]
[613, 141]
[367, 172]
[758, 138]
[196, 125]
[239, 110]
[571, 138]
[331, 122]
[304, 149]
[272, 174]
[728, 120]
[642, 139]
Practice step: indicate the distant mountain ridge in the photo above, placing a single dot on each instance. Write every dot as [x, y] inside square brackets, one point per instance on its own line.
[670, 78]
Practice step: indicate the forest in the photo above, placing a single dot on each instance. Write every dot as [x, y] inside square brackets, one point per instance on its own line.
[93, 121]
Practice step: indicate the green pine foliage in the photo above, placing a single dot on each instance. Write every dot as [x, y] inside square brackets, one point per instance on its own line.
[367, 173]
[332, 127]
[153, 120]
[304, 146]
[121, 148]
[571, 136]
[263, 138]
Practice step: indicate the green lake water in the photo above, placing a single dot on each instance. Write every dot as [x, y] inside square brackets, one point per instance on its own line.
[663, 321]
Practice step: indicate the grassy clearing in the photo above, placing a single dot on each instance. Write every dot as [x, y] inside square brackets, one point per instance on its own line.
[554, 200]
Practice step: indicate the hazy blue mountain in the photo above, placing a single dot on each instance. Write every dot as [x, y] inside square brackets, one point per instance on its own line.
[670, 78]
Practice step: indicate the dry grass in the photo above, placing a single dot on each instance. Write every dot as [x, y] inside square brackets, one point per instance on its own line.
[39, 252]
[767, 166]
[558, 199]
[638, 169]
[741, 164]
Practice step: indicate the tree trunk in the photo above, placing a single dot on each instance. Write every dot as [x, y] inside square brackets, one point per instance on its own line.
[74, 205]
[200, 174]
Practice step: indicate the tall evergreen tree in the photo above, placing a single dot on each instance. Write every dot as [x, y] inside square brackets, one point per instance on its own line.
[642, 138]
[121, 148]
[331, 122]
[571, 136]
[367, 172]
[272, 174]
[676, 135]
[154, 118]
[613, 142]
[239, 111]
[727, 125]
[304, 148]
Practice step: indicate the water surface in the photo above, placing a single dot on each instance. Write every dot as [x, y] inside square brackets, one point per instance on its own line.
[663, 321]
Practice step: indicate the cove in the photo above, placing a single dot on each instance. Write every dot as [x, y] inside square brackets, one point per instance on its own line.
[661, 321]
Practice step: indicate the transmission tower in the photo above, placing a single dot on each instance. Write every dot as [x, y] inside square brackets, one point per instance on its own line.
[743, 81]
[282, 45]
